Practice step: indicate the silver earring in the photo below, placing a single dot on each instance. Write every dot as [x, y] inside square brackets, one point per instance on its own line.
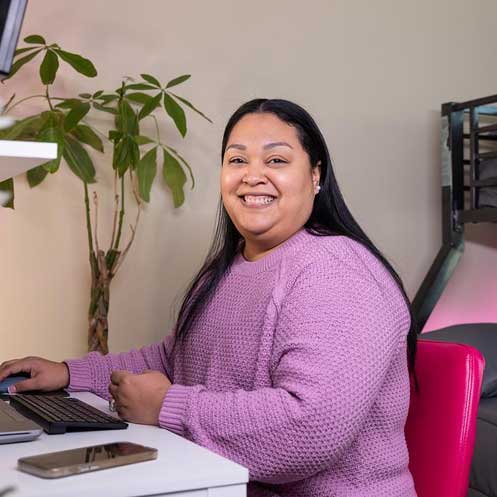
[318, 189]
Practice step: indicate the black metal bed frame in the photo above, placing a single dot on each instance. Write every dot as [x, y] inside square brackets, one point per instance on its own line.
[460, 180]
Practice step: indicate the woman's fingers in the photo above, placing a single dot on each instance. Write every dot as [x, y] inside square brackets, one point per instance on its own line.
[114, 391]
[11, 367]
[119, 398]
[122, 412]
[44, 374]
[24, 386]
[117, 377]
[115, 404]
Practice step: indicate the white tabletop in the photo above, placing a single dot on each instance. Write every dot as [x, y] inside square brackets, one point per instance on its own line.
[181, 466]
[17, 157]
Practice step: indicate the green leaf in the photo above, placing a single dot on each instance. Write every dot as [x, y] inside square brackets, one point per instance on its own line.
[49, 133]
[22, 50]
[175, 178]
[69, 103]
[109, 110]
[149, 78]
[7, 187]
[36, 176]
[85, 95]
[35, 39]
[78, 160]
[124, 155]
[52, 133]
[80, 64]
[150, 106]
[106, 98]
[134, 152]
[127, 120]
[146, 171]
[176, 113]
[188, 104]
[30, 124]
[142, 140]
[115, 135]
[52, 119]
[120, 156]
[48, 68]
[86, 135]
[52, 166]
[97, 94]
[178, 80]
[20, 62]
[75, 115]
[184, 163]
[138, 97]
[140, 86]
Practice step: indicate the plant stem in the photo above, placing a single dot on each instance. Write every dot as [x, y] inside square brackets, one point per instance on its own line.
[157, 129]
[121, 216]
[88, 221]
[6, 108]
[48, 98]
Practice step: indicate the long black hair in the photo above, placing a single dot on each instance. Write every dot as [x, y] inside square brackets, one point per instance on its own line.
[329, 216]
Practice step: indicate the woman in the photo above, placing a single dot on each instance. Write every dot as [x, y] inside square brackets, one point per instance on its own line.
[293, 343]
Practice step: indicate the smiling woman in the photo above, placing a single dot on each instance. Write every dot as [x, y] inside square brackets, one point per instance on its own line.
[267, 182]
[292, 348]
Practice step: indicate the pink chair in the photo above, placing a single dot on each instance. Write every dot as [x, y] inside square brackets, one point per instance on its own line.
[441, 425]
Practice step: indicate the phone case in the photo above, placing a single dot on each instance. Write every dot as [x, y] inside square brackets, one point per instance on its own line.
[41, 465]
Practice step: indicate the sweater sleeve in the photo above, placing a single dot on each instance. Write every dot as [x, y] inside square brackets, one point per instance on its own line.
[336, 335]
[92, 372]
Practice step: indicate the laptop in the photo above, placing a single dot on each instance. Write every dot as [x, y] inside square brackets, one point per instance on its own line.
[14, 427]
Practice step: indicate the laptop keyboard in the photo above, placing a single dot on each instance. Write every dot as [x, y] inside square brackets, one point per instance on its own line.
[58, 414]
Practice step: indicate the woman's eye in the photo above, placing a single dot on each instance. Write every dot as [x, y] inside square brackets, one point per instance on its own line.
[277, 160]
[236, 160]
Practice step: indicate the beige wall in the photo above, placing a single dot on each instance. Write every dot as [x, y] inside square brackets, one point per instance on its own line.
[372, 73]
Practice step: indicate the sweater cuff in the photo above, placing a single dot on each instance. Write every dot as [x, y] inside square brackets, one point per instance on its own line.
[172, 413]
[79, 375]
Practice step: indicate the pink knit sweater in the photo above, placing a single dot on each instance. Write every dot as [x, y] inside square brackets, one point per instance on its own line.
[296, 370]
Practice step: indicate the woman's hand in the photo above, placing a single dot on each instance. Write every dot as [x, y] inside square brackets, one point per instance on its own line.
[139, 397]
[45, 375]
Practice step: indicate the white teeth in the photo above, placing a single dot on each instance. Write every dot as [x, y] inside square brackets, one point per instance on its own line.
[258, 199]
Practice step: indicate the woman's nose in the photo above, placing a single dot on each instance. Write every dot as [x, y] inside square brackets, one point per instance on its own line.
[254, 174]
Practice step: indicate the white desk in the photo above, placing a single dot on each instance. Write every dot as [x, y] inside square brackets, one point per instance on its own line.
[182, 468]
[16, 157]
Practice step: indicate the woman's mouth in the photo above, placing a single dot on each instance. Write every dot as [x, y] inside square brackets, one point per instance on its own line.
[257, 200]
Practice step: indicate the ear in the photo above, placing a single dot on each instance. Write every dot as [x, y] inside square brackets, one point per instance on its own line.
[316, 173]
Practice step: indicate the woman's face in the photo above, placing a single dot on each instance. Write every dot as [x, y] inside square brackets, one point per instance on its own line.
[267, 182]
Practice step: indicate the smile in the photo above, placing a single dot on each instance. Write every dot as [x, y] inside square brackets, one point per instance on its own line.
[257, 200]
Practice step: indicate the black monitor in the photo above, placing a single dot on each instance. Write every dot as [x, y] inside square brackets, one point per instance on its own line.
[11, 16]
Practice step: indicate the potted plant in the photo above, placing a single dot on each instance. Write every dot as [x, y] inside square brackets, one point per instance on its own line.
[135, 156]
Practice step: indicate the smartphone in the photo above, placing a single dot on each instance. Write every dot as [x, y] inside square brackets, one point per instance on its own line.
[85, 459]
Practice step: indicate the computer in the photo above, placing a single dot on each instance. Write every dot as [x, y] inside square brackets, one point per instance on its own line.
[11, 17]
[14, 427]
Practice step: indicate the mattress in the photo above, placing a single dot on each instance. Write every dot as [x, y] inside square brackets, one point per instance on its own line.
[488, 196]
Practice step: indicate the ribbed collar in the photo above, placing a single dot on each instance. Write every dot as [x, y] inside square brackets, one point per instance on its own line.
[242, 266]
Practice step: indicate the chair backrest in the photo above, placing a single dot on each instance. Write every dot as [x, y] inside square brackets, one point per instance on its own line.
[441, 425]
